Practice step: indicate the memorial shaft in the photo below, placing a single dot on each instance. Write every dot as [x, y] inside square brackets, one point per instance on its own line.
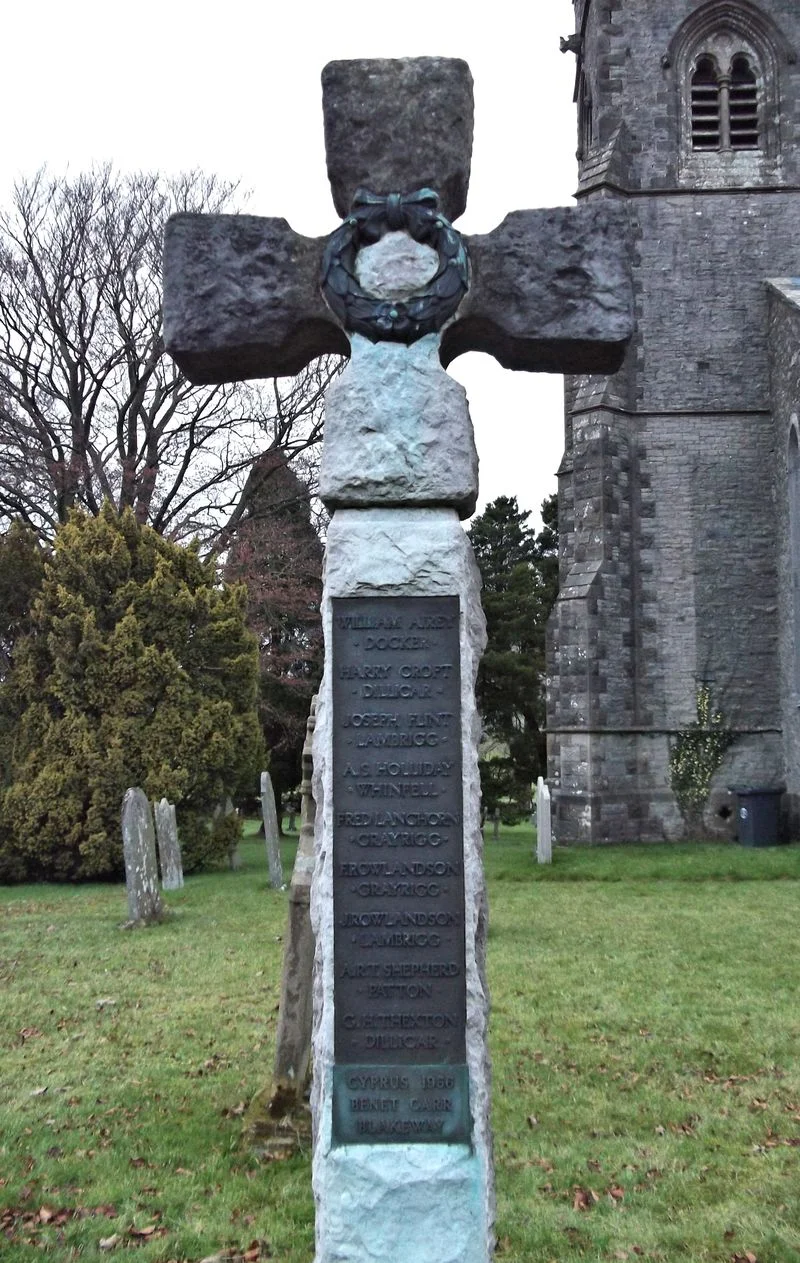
[402, 1167]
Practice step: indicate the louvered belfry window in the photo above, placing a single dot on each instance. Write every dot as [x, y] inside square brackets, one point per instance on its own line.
[705, 105]
[724, 105]
[743, 105]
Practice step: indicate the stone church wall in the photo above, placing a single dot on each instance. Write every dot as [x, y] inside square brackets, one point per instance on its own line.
[631, 73]
[670, 573]
[784, 300]
[701, 341]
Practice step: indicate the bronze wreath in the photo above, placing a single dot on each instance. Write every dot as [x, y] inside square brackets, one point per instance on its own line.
[386, 320]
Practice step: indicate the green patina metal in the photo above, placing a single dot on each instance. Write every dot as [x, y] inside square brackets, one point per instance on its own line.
[382, 320]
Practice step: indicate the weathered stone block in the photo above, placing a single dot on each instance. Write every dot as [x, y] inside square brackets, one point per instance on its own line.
[551, 292]
[398, 431]
[242, 298]
[394, 126]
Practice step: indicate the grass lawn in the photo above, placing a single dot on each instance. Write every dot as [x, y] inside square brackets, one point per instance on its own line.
[645, 1039]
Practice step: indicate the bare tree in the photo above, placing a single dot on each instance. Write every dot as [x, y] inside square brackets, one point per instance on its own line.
[90, 406]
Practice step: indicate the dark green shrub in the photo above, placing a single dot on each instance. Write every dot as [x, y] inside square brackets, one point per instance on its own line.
[138, 670]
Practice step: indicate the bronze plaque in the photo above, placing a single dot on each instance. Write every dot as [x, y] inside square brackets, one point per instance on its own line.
[398, 862]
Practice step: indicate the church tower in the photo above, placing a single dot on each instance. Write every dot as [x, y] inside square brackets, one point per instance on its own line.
[675, 536]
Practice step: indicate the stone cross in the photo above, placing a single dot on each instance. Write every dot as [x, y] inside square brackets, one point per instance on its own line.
[402, 1166]
[139, 850]
[550, 290]
[169, 848]
[269, 814]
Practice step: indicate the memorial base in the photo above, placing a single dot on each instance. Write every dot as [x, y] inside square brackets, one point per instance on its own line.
[406, 1200]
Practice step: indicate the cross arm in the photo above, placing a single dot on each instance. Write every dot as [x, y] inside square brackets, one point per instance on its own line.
[551, 291]
[242, 298]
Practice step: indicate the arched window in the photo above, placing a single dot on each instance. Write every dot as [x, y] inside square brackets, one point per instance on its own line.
[744, 128]
[728, 60]
[724, 99]
[705, 105]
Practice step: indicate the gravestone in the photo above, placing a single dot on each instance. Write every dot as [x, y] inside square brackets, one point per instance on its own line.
[139, 852]
[271, 835]
[169, 848]
[402, 1165]
[293, 1038]
[222, 811]
[544, 835]
[274, 1118]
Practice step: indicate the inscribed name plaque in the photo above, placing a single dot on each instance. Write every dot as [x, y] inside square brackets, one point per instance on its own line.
[400, 1070]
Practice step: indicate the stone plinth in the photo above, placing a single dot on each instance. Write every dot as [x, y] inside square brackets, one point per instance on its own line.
[402, 1202]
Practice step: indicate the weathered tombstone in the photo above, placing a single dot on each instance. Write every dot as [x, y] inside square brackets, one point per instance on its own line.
[544, 836]
[169, 848]
[139, 852]
[273, 1116]
[269, 814]
[402, 1151]
[221, 811]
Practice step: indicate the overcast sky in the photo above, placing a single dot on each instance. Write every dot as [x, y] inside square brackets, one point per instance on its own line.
[233, 88]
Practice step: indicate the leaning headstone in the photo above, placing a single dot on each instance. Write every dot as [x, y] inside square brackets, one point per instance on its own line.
[275, 1116]
[139, 852]
[544, 836]
[169, 848]
[271, 836]
[402, 1167]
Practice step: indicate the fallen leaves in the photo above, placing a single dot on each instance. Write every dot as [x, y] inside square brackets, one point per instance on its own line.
[584, 1198]
[686, 1128]
[213, 1063]
[150, 1231]
[235, 1111]
[773, 1141]
[252, 1253]
[23, 1226]
[30, 1032]
[47, 1216]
